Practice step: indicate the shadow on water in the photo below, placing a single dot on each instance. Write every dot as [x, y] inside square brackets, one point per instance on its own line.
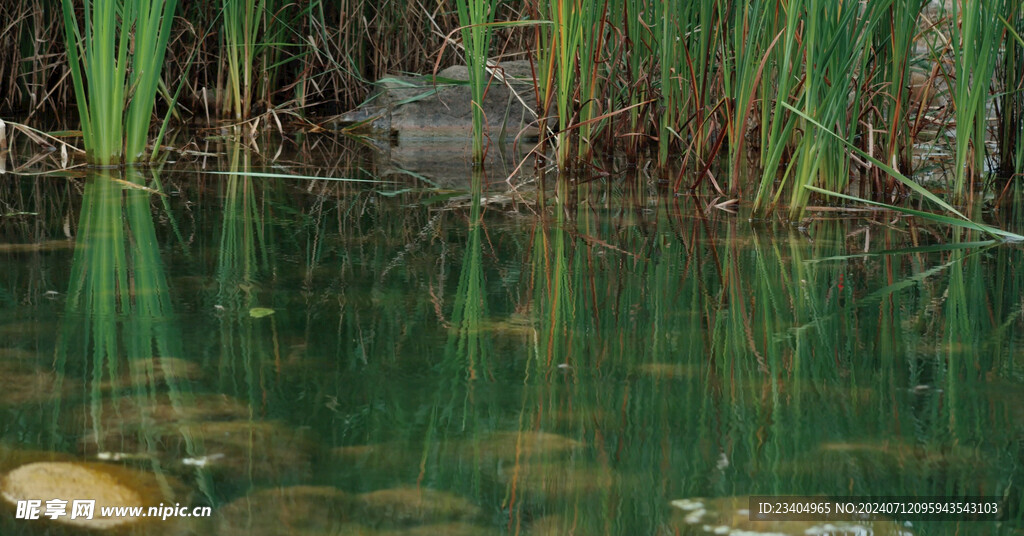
[333, 359]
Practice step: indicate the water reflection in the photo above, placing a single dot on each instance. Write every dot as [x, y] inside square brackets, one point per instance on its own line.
[353, 362]
[119, 350]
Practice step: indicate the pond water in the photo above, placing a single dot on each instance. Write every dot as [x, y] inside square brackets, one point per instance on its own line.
[328, 358]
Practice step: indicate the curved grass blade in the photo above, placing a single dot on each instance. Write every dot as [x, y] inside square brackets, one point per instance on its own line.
[301, 177]
[964, 221]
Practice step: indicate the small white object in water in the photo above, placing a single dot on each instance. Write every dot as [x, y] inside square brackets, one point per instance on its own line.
[695, 516]
[201, 461]
[743, 512]
[109, 456]
[687, 504]
[721, 529]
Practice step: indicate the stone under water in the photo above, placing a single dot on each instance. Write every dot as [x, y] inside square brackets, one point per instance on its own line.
[247, 450]
[23, 383]
[445, 529]
[553, 525]
[108, 485]
[505, 447]
[414, 506]
[293, 510]
[127, 414]
[545, 481]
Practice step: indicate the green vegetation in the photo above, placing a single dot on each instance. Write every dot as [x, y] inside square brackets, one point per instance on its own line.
[707, 89]
[476, 17]
[115, 59]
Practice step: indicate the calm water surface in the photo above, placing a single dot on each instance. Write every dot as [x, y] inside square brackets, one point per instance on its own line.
[324, 358]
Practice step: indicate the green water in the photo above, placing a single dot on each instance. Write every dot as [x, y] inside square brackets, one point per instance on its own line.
[423, 364]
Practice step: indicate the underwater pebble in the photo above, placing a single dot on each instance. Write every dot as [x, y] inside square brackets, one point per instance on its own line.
[107, 485]
[414, 506]
[292, 510]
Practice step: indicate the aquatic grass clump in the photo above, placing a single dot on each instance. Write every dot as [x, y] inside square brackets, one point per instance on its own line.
[692, 80]
[115, 59]
[1011, 99]
[975, 42]
[253, 34]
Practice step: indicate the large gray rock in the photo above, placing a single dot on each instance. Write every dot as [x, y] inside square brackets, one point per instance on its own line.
[431, 107]
[422, 126]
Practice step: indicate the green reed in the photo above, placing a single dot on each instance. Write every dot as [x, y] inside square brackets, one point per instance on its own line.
[975, 43]
[115, 59]
[1011, 99]
[637, 48]
[671, 58]
[570, 25]
[593, 22]
[689, 79]
[744, 64]
[835, 51]
[893, 54]
[242, 20]
[780, 125]
[475, 17]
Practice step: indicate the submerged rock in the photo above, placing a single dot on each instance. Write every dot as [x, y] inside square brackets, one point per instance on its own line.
[263, 450]
[391, 461]
[671, 371]
[127, 427]
[446, 529]
[553, 525]
[46, 245]
[18, 354]
[415, 506]
[541, 482]
[882, 459]
[295, 510]
[108, 485]
[730, 515]
[508, 447]
[23, 383]
[185, 436]
[160, 371]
